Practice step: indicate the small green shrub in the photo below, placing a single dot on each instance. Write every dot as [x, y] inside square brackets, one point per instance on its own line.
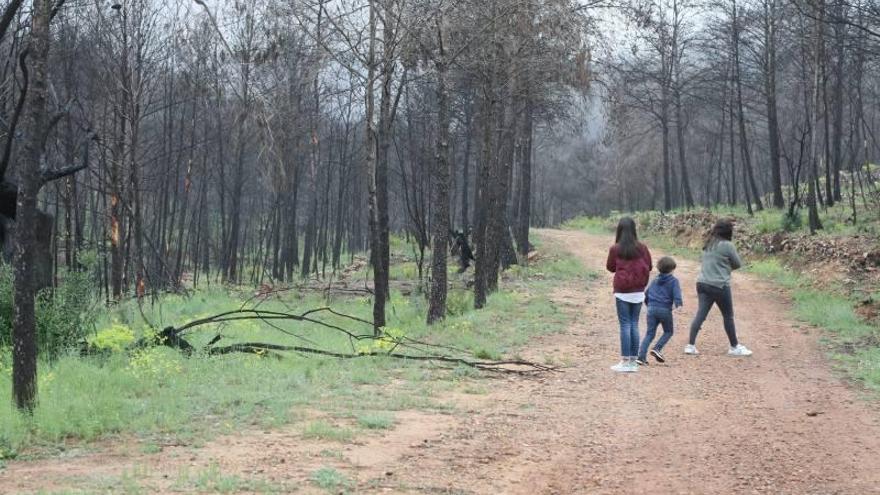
[766, 222]
[375, 421]
[459, 302]
[64, 315]
[114, 339]
[322, 430]
[792, 222]
[330, 479]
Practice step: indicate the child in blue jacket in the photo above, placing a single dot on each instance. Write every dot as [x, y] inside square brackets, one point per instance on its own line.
[661, 295]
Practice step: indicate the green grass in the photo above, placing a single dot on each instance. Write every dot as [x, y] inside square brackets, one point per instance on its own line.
[159, 392]
[322, 430]
[773, 269]
[330, 479]
[593, 225]
[212, 480]
[375, 421]
[854, 342]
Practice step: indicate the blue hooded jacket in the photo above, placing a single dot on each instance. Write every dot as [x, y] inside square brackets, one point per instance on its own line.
[663, 292]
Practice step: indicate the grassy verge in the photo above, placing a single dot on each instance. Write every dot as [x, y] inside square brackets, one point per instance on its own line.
[852, 342]
[162, 397]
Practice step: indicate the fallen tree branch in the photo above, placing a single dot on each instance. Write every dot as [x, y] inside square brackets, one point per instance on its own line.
[261, 348]
[173, 337]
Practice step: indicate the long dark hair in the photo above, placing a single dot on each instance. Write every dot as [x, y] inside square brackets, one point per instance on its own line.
[627, 239]
[721, 231]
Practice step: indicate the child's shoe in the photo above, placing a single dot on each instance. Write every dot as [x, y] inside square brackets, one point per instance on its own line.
[691, 349]
[659, 357]
[739, 350]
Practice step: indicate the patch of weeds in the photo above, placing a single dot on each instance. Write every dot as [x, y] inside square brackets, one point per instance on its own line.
[831, 312]
[329, 478]
[332, 454]
[475, 390]
[322, 430]
[151, 448]
[773, 269]
[129, 482]
[212, 480]
[486, 354]
[375, 421]
[7, 451]
[550, 360]
[865, 367]
[459, 302]
[592, 225]
[462, 371]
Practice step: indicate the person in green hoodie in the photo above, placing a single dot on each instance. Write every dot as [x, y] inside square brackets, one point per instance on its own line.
[713, 286]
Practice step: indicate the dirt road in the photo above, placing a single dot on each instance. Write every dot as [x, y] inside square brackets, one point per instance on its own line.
[778, 422]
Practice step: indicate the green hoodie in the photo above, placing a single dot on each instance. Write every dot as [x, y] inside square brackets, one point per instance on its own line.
[719, 259]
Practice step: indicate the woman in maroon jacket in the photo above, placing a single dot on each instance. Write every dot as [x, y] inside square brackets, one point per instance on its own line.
[630, 261]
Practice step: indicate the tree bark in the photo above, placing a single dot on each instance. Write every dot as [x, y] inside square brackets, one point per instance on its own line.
[24, 332]
[440, 224]
[743, 138]
[380, 276]
[770, 95]
[524, 204]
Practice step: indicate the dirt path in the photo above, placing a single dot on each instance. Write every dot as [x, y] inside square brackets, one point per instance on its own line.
[778, 422]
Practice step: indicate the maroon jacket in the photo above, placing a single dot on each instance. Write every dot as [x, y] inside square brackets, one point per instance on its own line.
[630, 275]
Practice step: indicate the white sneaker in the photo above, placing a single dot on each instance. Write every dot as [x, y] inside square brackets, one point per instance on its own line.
[739, 350]
[625, 367]
[691, 349]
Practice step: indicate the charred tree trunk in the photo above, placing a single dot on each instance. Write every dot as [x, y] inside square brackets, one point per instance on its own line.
[813, 116]
[679, 130]
[380, 276]
[24, 331]
[743, 137]
[524, 204]
[440, 224]
[770, 95]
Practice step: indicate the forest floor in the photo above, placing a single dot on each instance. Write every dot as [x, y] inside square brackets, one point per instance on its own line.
[782, 421]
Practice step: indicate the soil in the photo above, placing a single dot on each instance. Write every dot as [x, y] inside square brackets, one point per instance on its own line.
[778, 422]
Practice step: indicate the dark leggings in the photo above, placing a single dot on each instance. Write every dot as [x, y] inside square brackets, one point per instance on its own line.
[709, 295]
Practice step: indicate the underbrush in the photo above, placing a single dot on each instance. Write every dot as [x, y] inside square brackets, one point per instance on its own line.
[65, 315]
[158, 393]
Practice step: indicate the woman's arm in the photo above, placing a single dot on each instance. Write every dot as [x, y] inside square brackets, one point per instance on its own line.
[733, 256]
[611, 263]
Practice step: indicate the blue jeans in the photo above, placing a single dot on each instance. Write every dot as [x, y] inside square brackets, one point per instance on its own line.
[657, 316]
[628, 316]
